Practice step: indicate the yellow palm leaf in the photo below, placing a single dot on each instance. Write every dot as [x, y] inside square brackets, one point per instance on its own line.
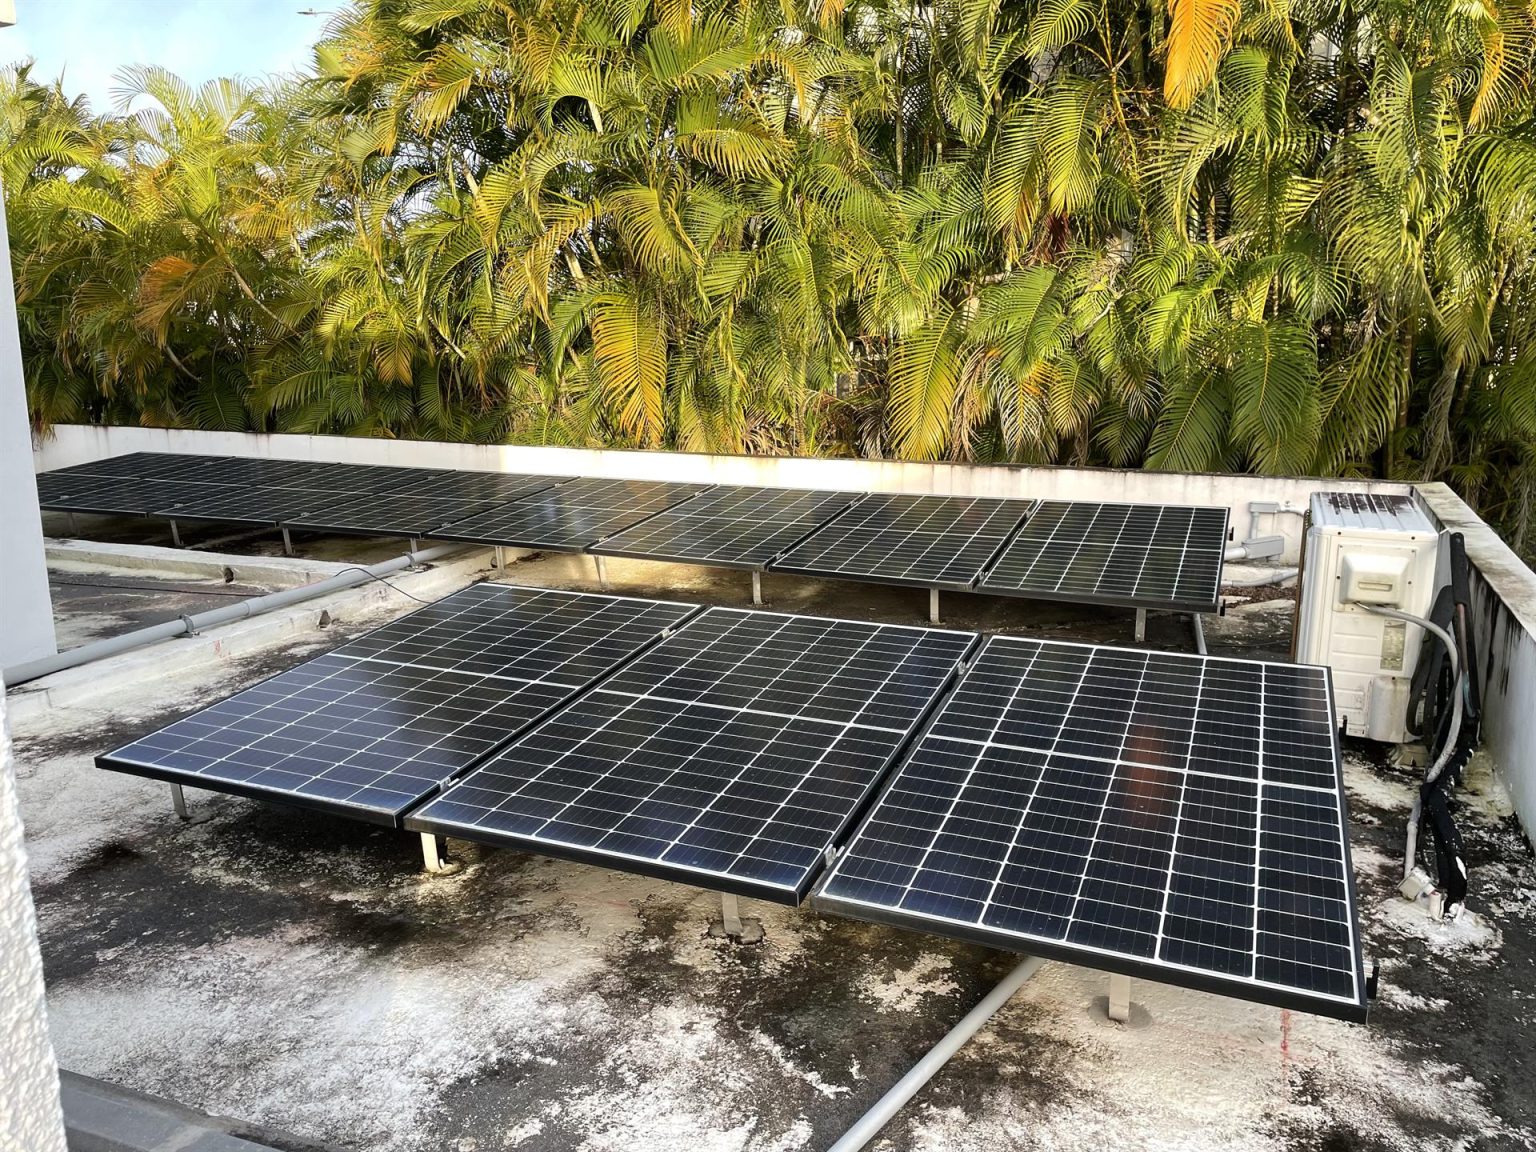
[1198, 34]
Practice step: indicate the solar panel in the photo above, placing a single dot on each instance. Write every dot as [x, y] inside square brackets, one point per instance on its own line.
[377, 725]
[732, 755]
[1171, 816]
[931, 541]
[387, 513]
[144, 466]
[126, 496]
[253, 472]
[1137, 555]
[365, 478]
[475, 488]
[729, 526]
[569, 517]
[239, 504]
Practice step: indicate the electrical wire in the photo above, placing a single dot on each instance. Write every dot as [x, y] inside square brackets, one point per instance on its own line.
[381, 580]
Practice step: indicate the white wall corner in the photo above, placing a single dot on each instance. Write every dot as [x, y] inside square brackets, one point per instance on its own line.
[30, 1114]
[28, 632]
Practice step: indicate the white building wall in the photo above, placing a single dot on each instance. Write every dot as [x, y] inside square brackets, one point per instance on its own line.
[30, 1119]
[28, 611]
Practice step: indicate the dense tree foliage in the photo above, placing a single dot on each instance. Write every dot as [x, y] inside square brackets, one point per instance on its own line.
[1280, 235]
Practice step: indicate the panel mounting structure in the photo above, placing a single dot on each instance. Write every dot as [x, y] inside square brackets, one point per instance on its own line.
[731, 756]
[570, 516]
[1162, 815]
[381, 723]
[729, 526]
[1133, 555]
[921, 541]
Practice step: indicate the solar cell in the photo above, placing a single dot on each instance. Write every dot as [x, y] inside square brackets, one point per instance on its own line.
[377, 725]
[365, 478]
[473, 488]
[570, 516]
[253, 472]
[729, 526]
[1137, 555]
[928, 541]
[732, 755]
[1171, 816]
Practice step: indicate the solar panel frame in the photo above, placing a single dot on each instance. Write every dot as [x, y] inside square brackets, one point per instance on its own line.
[1351, 1008]
[858, 534]
[1027, 551]
[570, 516]
[655, 733]
[703, 515]
[359, 657]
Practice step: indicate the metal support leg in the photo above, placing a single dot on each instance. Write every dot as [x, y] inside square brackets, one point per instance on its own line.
[757, 587]
[1199, 627]
[175, 534]
[415, 544]
[923, 1071]
[74, 525]
[434, 850]
[1119, 998]
[179, 801]
[1141, 625]
[933, 605]
[730, 915]
[287, 543]
[501, 558]
[602, 573]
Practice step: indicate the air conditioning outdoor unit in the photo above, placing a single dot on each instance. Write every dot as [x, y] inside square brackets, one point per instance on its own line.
[1364, 549]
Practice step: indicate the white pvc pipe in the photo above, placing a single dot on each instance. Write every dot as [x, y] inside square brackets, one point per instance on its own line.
[112, 645]
[1411, 849]
[908, 1086]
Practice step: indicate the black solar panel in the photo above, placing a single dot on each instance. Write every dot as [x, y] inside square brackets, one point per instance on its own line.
[569, 517]
[387, 513]
[254, 472]
[366, 478]
[729, 526]
[475, 488]
[239, 504]
[141, 466]
[1176, 817]
[733, 755]
[932, 541]
[1137, 555]
[379, 724]
[125, 495]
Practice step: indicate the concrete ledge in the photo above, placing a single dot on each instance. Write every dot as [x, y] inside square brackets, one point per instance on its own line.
[184, 654]
[266, 571]
[101, 1117]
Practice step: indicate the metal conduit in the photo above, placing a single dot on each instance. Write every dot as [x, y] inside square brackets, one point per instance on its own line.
[908, 1086]
[113, 645]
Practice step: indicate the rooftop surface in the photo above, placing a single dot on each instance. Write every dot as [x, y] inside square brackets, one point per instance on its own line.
[303, 972]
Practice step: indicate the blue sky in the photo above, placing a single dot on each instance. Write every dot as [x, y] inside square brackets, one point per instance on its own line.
[88, 40]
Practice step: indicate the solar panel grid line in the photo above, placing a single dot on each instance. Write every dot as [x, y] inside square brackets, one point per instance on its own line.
[508, 708]
[632, 766]
[1052, 555]
[924, 541]
[345, 804]
[1291, 975]
[729, 526]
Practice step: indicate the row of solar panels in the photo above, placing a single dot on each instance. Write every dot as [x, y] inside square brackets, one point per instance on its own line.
[1171, 816]
[1157, 556]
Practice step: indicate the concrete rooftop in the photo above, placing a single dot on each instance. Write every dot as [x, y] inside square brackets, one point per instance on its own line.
[302, 972]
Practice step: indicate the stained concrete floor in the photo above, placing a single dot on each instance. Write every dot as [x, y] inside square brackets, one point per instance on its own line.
[302, 972]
